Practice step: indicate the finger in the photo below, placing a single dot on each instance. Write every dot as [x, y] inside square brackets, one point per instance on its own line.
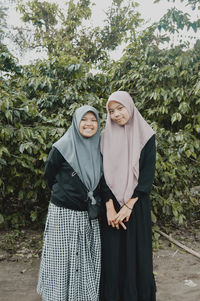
[119, 219]
[116, 216]
[116, 221]
[113, 225]
[127, 219]
[122, 224]
[117, 226]
[110, 222]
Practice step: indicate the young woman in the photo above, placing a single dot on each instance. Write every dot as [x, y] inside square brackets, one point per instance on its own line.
[128, 149]
[71, 256]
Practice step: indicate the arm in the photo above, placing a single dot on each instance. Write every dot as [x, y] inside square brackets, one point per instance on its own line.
[107, 197]
[146, 176]
[52, 165]
[106, 193]
[147, 168]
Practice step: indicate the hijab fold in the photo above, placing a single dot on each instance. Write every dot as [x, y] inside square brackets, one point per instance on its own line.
[121, 147]
[83, 154]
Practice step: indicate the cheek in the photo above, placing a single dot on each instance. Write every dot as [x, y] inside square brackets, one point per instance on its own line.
[96, 128]
[128, 116]
[126, 113]
[81, 126]
[111, 116]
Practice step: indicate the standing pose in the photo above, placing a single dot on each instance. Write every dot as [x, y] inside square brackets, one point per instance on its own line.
[128, 149]
[71, 257]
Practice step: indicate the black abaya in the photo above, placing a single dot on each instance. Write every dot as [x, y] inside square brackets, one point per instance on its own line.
[127, 269]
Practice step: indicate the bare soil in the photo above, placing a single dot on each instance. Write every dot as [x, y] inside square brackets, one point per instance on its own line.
[177, 272]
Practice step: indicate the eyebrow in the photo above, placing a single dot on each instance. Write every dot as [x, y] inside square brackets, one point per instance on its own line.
[91, 118]
[119, 105]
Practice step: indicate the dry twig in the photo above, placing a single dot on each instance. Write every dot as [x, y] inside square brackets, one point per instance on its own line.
[179, 244]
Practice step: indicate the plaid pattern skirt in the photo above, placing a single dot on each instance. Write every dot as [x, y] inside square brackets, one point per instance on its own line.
[71, 258]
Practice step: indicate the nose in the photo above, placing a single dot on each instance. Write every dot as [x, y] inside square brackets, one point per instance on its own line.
[88, 122]
[116, 113]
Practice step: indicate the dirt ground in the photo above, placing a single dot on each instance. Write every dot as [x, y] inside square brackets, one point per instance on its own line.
[177, 272]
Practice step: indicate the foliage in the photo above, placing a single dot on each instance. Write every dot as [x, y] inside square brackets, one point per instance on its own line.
[36, 108]
[175, 20]
[26, 244]
[193, 3]
[3, 10]
[57, 30]
[7, 61]
[166, 88]
[37, 102]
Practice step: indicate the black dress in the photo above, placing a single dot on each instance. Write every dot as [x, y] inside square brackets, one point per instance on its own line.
[127, 269]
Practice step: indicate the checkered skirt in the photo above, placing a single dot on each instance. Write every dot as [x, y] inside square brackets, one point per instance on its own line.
[71, 257]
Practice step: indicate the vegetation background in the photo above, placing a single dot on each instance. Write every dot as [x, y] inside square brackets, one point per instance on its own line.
[37, 101]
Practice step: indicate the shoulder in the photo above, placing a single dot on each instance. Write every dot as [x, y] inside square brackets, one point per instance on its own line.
[150, 146]
[55, 154]
[151, 142]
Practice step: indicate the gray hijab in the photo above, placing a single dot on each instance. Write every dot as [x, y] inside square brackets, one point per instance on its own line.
[83, 154]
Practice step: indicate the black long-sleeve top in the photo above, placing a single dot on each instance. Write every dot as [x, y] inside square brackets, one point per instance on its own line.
[67, 190]
[146, 172]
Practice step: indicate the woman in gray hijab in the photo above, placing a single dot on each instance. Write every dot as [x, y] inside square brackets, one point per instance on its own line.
[71, 256]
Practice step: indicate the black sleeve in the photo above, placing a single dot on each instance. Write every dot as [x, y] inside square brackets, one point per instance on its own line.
[52, 165]
[147, 168]
[106, 193]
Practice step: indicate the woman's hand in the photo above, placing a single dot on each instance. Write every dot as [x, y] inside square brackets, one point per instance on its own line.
[125, 211]
[111, 213]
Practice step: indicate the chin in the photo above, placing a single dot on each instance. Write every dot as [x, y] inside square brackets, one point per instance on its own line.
[120, 123]
[88, 135]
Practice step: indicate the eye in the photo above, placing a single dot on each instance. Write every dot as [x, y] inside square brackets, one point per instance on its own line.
[120, 108]
[111, 111]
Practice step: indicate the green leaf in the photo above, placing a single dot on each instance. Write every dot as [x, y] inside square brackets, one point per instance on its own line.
[188, 153]
[33, 216]
[176, 117]
[197, 88]
[154, 219]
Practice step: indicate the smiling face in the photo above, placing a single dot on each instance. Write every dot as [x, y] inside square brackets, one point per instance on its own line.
[118, 113]
[88, 125]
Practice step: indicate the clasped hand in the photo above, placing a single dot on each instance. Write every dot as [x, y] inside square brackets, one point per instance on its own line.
[115, 219]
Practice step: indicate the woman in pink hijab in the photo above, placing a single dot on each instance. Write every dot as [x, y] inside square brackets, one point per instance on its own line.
[129, 152]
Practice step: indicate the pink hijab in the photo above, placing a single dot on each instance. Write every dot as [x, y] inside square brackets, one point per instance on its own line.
[121, 147]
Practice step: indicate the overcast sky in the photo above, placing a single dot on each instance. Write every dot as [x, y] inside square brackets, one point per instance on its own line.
[149, 11]
[147, 8]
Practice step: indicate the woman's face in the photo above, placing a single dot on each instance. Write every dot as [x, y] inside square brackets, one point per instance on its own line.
[118, 113]
[88, 125]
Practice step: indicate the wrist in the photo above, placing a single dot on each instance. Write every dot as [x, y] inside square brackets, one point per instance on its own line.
[109, 204]
[131, 203]
[129, 206]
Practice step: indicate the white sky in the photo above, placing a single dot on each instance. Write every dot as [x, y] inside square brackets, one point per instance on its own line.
[149, 12]
[147, 8]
